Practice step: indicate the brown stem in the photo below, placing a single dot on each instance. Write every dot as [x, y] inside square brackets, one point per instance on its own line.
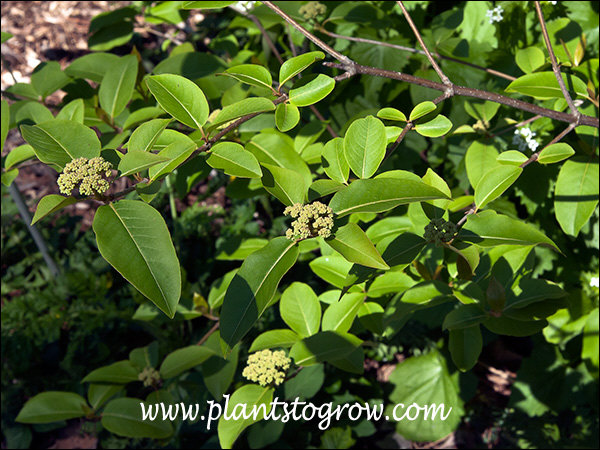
[204, 338]
[268, 39]
[434, 64]
[555, 67]
[416, 50]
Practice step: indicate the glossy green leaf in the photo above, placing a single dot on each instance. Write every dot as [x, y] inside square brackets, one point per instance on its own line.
[465, 346]
[391, 114]
[133, 237]
[389, 226]
[219, 288]
[364, 146]
[121, 372]
[590, 346]
[244, 107]
[478, 160]
[99, 394]
[123, 417]
[434, 128]
[334, 161]
[311, 92]
[331, 268]
[181, 98]
[555, 153]
[191, 65]
[93, 66]
[4, 121]
[425, 380]
[325, 346]
[300, 309]
[426, 292]
[252, 74]
[488, 229]
[421, 110]
[52, 406]
[117, 85]
[250, 395]
[18, 155]
[380, 194]
[241, 251]
[253, 287]
[146, 135]
[234, 160]
[576, 193]
[206, 5]
[275, 339]
[27, 111]
[389, 283]
[340, 315]
[49, 204]
[511, 158]
[142, 115]
[354, 245]
[530, 58]
[58, 142]
[184, 359]
[545, 85]
[297, 64]
[5, 37]
[511, 327]
[286, 116]
[494, 182]
[321, 188]
[464, 316]
[134, 161]
[176, 153]
[48, 77]
[285, 184]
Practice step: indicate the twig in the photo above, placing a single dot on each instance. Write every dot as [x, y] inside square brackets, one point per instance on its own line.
[434, 64]
[574, 111]
[214, 328]
[158, 33]
[516, 125]
[268, 39]
[417, 51]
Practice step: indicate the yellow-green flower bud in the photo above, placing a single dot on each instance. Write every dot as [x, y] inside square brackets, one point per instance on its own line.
[315, 219]
[267, 367]
[87, 175]
[149, 376]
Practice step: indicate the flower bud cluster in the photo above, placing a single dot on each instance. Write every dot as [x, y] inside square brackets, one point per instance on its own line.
[315, 219]
[149, 376]
[267, 367]
[87, 175]
[312, 9]
[440, 230]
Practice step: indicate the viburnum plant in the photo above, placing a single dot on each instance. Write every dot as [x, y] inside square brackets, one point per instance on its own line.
[454, 183]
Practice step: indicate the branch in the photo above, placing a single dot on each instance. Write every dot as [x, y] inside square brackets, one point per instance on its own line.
[204, 338]
[574, 111]
[437, 69]
[266, 36]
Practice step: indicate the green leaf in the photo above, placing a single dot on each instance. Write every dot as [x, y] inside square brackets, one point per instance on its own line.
[191, 65]
[297, 64]
[545, 85]
[300, 309]
[532, 291]
[494, 182]
[381, 194]
[512, 158]
[511, 327]
[141, 116]
[134, 239]
[484, 111]
[465, 346]
[275, 339]
[425, 380]
[325, 346]
[9, 176]
[340, 315]
[250, 396]
[434, 128]
[74, 110]
[334, 161]
[364, 146]
[52, 406]
[99, 394]
[286, 116]
[426, 292]
[49, 204]
[134, 161]
[478, 160]
[123, 417]
[184, 359]
[117, 85]
[176, 153]
[391, 114]
[421, 110]
[321, 188]
[181, 98]
[206, 5]
[530, 58]
[464, 316]
[555, 153]
[48, 77]
[244, 107]
[219, 288]
[251, 74]
[389, 226]
[121, 372]
[285, 184]
[576, 193]
[18, 155]
[331, 268]
[5, 119]
[488, 229]
[60, 141]
[253, 287]
[589, 349]
[243, 250]
[389, 283]
[310, 91]
[27, 111]
[5, 37]
[234, 160]
[146, 135]
[354, 245]
[93, 66]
